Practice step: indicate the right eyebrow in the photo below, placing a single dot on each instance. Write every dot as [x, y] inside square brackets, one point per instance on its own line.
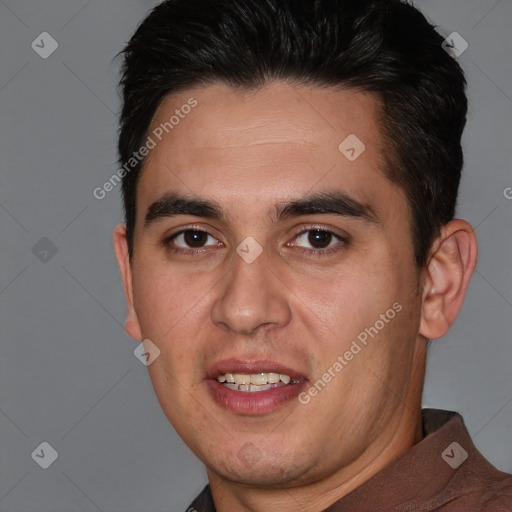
[173, 204]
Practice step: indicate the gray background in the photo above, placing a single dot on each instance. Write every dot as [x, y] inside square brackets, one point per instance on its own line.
[68, 375]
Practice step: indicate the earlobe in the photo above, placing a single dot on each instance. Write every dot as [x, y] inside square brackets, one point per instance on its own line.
[132, 325]
[447, 277]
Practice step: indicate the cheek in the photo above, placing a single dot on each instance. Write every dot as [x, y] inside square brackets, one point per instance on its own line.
[173, 311]
[164, 299]
[347, 300]
[370, 303]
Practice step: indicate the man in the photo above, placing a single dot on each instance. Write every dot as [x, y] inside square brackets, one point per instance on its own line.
[290, 180]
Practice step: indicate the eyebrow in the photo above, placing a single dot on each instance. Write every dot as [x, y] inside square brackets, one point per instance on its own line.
[332, 202]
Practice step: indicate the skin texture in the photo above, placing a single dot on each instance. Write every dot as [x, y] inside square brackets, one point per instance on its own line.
[249, 151]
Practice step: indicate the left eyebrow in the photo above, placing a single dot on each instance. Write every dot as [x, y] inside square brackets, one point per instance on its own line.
[332, 202]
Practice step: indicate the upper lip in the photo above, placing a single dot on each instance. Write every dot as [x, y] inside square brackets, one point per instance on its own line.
[249, 366]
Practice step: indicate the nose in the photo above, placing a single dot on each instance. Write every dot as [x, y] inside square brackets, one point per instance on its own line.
[251, 296]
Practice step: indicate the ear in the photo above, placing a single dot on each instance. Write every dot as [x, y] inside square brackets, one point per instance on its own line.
[131, 325]
[452, 262]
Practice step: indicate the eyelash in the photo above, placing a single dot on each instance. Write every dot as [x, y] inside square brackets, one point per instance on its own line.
[315, 252]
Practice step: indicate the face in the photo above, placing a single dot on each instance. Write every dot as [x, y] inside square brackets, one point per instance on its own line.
[264, 250]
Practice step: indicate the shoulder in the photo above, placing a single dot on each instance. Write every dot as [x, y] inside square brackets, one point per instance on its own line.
[481, 488]
[498, 497]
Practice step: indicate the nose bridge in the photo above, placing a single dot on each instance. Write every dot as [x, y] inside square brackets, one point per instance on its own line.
[251, 296]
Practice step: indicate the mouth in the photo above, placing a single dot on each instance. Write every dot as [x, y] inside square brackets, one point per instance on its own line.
[255, 382]
[253, 387]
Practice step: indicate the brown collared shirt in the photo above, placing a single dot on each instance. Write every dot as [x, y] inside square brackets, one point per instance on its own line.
[443, 472]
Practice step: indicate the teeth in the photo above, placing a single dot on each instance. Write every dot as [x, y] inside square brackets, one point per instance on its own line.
[284, 378]
[245, 382]
[241, 378]
[251, 388]
[259, 378]
[272, 378]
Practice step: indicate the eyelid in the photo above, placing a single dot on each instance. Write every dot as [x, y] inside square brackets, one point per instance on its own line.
[324, 229]
[192, 227]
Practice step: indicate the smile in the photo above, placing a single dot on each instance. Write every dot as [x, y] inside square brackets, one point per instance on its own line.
[255, 382]
[253, 386]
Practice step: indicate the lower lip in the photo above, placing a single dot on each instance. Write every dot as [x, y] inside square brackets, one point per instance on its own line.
[257, 402]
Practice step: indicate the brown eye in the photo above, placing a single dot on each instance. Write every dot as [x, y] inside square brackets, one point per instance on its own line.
[195, 238]
[192, 239]
[319, 239]
[316, 239]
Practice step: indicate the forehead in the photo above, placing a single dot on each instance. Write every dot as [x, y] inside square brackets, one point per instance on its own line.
[277, 113]
[265, 144]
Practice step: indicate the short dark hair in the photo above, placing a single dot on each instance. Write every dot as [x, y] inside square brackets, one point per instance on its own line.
[382, 46]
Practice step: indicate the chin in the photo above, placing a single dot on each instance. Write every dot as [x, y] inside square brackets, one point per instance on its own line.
[251, 467]
[269, 478]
